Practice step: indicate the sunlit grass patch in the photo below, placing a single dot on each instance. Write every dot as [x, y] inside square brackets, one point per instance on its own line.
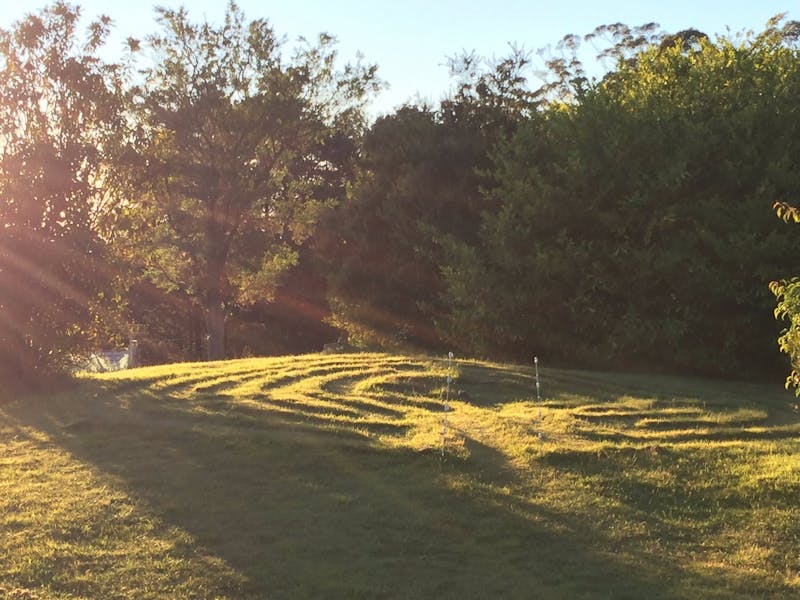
[323, 476]
[70, 530]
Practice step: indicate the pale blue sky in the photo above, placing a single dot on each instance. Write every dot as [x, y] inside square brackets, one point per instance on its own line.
[410, 39]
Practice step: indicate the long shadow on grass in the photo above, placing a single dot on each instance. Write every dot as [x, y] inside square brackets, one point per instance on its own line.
[307, 512]
[493, 385]
[490, 385]
[726, 434]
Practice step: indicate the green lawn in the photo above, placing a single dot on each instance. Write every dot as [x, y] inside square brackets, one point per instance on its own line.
[319, 476]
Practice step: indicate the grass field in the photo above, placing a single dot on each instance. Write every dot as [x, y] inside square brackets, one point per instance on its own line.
[319, 476]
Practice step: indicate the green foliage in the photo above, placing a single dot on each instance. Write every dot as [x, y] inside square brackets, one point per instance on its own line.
[59, 105]
[239, 149]
[787, 212]
[413, 184]
[616, 221]
[787, 293]
[633, 225]
[417, 187]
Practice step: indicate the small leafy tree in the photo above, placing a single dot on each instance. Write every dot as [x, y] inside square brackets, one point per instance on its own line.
[787, 293]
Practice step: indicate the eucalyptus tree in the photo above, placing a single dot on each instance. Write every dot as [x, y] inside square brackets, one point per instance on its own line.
[59, 106]
[240, 146]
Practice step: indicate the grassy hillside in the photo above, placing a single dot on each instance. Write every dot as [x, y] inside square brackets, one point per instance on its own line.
[319, 476]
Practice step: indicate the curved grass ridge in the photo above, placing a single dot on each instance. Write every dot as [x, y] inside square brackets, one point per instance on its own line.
[319, 476]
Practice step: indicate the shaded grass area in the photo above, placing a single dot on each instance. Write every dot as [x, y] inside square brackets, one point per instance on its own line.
[319, 476]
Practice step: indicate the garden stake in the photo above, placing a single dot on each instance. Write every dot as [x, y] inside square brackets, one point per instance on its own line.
[538, 394]
[446, 400]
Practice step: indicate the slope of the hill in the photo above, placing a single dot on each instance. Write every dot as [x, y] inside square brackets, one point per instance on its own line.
[320, 476]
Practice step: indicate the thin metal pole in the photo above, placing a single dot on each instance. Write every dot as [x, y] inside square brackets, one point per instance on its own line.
[446, 400]
[538, 393]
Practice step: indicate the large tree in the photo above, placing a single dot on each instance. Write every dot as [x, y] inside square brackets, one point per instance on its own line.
[634, 226]
[417, 185]
[239, 149]
[58, 107]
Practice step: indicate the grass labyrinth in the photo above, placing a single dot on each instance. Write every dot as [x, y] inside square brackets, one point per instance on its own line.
[319, 476]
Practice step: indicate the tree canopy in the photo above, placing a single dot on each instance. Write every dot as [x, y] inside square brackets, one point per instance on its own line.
[619, 221]
[239, 148]
[634, 224]
[59, 104]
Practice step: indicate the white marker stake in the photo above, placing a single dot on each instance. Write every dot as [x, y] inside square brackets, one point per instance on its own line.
[447, 399]
[538, 394]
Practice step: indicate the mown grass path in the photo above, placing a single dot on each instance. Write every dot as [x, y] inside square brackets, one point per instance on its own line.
[319, 476]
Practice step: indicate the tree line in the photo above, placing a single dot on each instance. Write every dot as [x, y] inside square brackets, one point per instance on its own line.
[218, 193]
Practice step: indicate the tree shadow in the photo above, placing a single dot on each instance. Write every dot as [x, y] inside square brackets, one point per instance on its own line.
[490, 386]
[303, 510]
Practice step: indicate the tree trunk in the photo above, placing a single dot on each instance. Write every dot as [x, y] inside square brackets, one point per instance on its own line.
[215, 333]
